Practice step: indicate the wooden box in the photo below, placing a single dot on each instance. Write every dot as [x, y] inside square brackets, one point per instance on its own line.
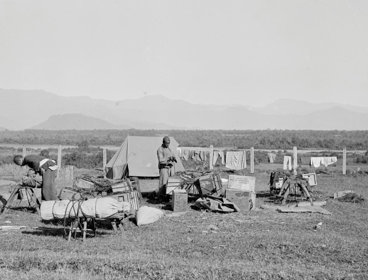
[180, 201]
[131, 197]
[242, 183]
[279, 183]
[173, 184]
[121, 187]
[209, 184]
[311, 178]
[244, 200]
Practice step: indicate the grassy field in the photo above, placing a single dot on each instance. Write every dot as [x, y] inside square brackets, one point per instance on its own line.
[261, 244]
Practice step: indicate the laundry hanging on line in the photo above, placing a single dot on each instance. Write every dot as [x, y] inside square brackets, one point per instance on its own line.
[287, 163]
[271, 157]
[325, 161]
[216, 155]
[196, 154]
[236, 160]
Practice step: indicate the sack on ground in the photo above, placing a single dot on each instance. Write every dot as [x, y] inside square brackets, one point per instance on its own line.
[148, 215]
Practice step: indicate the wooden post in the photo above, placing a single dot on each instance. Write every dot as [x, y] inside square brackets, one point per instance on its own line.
[295, 159]
[104, 159]
[59, 159]
[344, 161]
[252, 160]
[24, 151]
[211, 158]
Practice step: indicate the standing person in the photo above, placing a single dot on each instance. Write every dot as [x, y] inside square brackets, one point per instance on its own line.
[166, 159]
[46, 168]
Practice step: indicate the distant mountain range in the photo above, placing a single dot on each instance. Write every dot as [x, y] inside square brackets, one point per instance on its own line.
[75, 121]
[38, 109]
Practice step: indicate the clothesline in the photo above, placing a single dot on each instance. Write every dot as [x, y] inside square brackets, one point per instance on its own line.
[230, 157]
[207, 149]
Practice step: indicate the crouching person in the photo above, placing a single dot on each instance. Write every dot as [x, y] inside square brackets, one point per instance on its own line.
[44, 167]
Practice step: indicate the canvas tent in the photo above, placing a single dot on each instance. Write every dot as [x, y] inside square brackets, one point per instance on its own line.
[137, 157]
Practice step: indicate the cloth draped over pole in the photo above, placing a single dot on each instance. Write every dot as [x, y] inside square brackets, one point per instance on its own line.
[236, 160]
[218, 154]
[287, 163]
[325, 161]
[230, 157]
[194, 153]
[271, 157]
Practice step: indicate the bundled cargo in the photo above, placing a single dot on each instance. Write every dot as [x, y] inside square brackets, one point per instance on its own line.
[122, 187]
[130, 197]
[102, 208]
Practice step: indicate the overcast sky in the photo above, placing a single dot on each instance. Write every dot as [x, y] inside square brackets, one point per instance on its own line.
[203, 51]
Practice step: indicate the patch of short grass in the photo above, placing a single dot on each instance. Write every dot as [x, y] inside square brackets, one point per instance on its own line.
[256, 245]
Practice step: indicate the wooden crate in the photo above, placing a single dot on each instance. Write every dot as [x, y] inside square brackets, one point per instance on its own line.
[173, 184]
[311, 178]
[242, 183]
[131, 197]
[244, 200]
[180, 201]
[121, 187]
[209, 184]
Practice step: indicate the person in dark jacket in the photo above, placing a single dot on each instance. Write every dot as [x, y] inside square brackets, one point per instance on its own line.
[45, 167]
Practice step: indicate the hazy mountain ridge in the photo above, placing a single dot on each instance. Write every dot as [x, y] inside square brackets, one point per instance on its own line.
[42, 110]
[298, 107]
[77, 122]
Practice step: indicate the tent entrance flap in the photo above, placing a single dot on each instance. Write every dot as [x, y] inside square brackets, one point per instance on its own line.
[117, 172]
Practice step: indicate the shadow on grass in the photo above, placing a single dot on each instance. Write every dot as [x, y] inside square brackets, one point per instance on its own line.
[48, 231]
[45, 231]
[264, 194]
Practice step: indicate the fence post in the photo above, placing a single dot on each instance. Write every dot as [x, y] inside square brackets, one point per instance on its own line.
[344, 161]
[211, 158]
[59, 159]
[24, 151]
[252, 160]
[295, 159]
[104, 159]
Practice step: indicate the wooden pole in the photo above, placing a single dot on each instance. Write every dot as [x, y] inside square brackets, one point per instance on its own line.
[344, 161]
[211, 158]
[59, 158]
[104, 159]
[24, 151]
[252, 160]
[295, 159]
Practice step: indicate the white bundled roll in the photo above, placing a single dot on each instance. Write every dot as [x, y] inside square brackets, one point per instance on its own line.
[46, 210]
[103, 207]
[63, 207]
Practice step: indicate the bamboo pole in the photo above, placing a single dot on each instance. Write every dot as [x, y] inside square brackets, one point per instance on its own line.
[295, 159]
[344, 161]
[59, 159]
[211, 158]
[252, 160]
[104, 159]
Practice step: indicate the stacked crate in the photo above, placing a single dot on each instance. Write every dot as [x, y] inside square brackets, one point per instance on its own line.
[180, 201]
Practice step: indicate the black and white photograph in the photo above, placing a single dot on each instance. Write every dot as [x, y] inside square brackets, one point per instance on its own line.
[184, 139]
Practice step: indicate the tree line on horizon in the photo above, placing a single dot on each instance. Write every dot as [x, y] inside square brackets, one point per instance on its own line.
[259, 139]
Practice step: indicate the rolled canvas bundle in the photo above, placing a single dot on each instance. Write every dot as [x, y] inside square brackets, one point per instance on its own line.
[102, 207]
